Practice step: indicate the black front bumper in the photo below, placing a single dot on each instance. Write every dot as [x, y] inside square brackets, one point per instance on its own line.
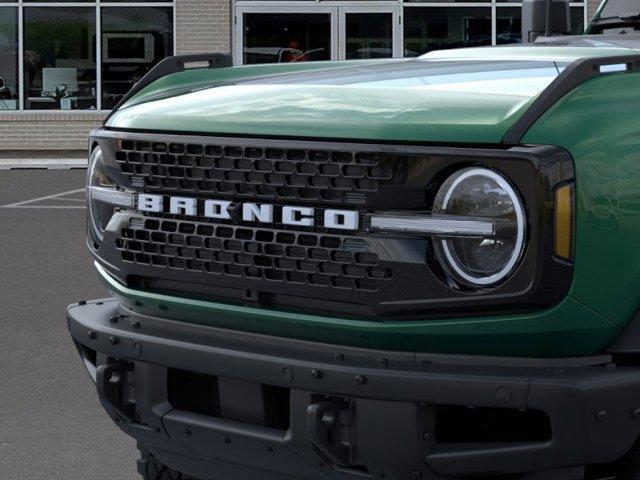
[350, 412]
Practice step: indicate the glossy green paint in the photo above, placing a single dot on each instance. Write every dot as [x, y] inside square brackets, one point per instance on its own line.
[199, 78]
[570, 329]
[330, 112]
[236, 101]
[599, 123]
[196, 79]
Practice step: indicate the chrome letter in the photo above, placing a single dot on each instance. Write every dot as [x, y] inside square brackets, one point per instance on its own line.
[149, 203]
[183, 206]
[341, 219]
[252, 212]
[300, 216]
[217, 209]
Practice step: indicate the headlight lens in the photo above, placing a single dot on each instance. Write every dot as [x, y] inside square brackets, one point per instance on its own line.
[103, 195]
[473, 193]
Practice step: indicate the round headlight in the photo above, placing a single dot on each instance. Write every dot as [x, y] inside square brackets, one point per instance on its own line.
[100, 212]
[480, 192]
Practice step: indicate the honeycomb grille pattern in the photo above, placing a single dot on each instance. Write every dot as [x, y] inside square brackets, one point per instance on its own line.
[257, 172]
[261, 254]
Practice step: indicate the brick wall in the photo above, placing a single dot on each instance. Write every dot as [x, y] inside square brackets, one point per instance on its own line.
[203, 26]
[47, 131]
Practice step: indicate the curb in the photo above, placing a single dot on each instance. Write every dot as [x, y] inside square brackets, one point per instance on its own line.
[42, 163]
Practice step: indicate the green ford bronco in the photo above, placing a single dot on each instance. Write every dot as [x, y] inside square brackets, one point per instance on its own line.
[421, 268]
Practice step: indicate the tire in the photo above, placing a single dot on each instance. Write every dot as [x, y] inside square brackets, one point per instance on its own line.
[151, 469]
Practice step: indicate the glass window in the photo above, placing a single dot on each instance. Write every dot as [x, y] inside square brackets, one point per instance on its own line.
[134, 39]
[369, 35]
[8, 58]
[577, 20]
[286, 37]
[437, 28]
[613, 9]
[508, 25]
[59, 58]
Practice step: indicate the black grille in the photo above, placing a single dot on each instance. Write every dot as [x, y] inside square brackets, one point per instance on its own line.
[320, 260]
[252, 171]
[355, 274]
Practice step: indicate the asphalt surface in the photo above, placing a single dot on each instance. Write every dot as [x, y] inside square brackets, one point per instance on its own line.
[52, 426]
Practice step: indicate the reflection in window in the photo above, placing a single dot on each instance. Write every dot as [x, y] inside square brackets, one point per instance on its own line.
[8, 58]
[613, 9]
[508, 25]
[437, 28]
[577, 20]
[59, 58]
[369, 35]
[286, 37]
[134, 39]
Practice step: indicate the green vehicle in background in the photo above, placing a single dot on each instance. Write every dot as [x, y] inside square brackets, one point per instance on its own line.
[422, 268]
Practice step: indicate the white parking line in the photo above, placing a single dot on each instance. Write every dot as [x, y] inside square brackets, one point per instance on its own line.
[63, 207]
[82, 200]
[39, 199]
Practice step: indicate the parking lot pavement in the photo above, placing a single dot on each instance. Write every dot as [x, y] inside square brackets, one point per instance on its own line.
[51, 424]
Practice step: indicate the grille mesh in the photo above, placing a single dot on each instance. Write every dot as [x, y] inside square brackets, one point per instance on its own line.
[280, 256]
[251, 171]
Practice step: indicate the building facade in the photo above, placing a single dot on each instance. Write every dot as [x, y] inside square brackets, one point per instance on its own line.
[63, 65]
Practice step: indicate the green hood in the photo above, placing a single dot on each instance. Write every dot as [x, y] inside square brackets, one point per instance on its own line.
[454, 96]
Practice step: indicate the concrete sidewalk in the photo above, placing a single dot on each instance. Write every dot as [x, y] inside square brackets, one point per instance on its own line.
[42, 163]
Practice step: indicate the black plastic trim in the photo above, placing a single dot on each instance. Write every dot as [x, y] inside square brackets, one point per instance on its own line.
[571, 77]
[392, 397]
[628, 342]
[540, 281]
[170, 65]
[345, 140]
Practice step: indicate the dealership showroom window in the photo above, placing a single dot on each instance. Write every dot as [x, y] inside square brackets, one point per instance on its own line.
[297, 31]
[51, 57]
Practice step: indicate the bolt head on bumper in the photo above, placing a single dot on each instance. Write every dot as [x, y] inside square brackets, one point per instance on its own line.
[349, 411]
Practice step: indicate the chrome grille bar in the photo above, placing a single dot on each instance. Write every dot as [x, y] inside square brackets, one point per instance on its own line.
[433, 225]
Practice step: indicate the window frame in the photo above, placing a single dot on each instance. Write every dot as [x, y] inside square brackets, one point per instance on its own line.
[240, 7]
[97, 6]
[19, 87]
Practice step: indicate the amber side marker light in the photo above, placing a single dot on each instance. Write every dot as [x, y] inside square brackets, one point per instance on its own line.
[563, 222]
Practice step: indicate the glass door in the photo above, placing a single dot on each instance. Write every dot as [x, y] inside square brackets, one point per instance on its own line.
[285, 31]
[369, 32]
[282, 34]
